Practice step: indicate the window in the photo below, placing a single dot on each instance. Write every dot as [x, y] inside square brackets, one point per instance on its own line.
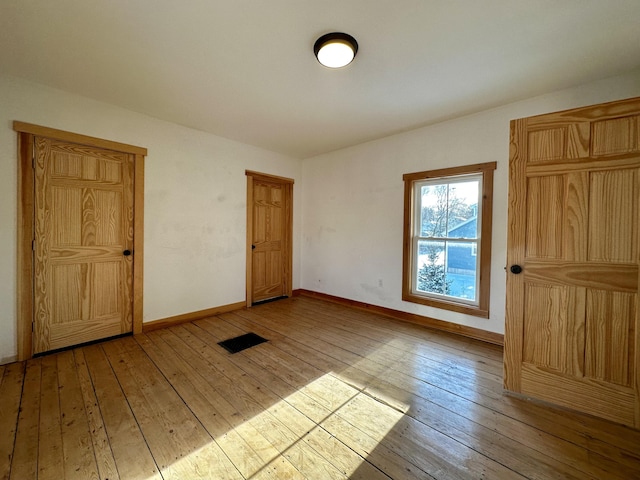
[447, 238]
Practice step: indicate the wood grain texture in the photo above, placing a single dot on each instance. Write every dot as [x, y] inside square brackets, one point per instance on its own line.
[84, 201]
[178, 442]
[249, 244]
[516, 250]
[336, 392]
[621, 277]
[475, 333]
[450, 171]
[138, 242]
[560, 140]
[613, 404]
[545, 322]
[574, 209]
[545, 217]
[578, 140]
[613, 214]
[610, 342]
[408, 270]
[547, 144]
[72, 164]
[40, 131]
[590, 113]
[24, 463]
[269, 237]
[212, 409]
[50, 446]
[615, 136]
[105, 461]
[576, 225]
[486, 234]
[266, 243]
[42, 308]
[190, 317]
[131, 452]
[79, 457]
[26, 234]
[11, 380]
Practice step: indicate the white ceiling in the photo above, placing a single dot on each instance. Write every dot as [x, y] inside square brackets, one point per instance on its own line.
[245, 70]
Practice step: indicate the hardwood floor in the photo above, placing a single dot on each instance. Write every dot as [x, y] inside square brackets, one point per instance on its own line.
[335, 393]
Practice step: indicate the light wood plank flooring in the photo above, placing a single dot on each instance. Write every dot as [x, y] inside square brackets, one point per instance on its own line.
[336, 393]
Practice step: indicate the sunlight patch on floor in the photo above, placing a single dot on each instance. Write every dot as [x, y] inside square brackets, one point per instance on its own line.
[298, 436]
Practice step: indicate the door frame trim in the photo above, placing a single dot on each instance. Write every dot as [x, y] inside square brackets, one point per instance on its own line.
[26, 220]
[287, 184]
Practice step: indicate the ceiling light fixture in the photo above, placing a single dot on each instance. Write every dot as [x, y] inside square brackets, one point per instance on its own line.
[336, 49]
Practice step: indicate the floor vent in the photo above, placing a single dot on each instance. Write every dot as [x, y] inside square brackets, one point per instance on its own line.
[237, 344]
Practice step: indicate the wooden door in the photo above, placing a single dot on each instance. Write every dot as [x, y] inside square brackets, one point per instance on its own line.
[269, 237]
[572, 330]
[83, 265]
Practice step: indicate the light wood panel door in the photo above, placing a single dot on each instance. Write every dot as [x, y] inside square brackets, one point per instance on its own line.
[269, 233]
[83, 266]
[572, 328]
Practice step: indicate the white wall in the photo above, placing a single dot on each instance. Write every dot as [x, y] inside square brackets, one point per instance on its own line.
[347, 218]
[353, 200]
[195, 201]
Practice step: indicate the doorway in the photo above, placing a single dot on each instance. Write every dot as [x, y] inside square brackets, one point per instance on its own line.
[80, 205]
[269, 237]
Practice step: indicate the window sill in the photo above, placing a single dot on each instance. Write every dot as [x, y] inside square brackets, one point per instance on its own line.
[444, 305]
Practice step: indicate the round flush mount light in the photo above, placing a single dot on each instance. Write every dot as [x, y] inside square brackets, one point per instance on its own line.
[336, 49]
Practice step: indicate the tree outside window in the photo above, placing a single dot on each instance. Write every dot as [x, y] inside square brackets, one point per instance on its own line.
[445, 227]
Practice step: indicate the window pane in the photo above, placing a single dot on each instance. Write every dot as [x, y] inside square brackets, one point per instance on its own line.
[463, 210]
[449, 210]
[434, 211]
[430, 276]
[461, 269]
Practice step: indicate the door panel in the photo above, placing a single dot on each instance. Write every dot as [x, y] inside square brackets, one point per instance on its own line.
[545, 217]
[84, 222]
[609, 336]
[616, 135]
[269, 235]
[572, 327]
[546, 330]
[268, 279]
[613, 216]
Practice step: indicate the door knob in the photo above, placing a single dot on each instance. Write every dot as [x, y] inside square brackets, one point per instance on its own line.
[516, 269]
[126, 253]
[253, 247]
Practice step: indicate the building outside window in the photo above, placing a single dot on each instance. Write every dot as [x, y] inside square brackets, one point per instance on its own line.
[447, 222]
